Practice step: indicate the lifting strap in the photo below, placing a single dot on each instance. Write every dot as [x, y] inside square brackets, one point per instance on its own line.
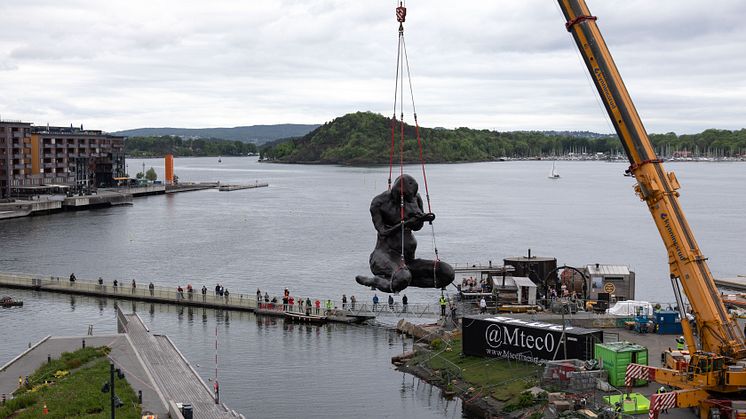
[402, 61]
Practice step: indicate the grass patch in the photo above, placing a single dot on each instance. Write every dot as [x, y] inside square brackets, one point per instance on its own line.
[66, 362]
[502, 379]
[76, 394]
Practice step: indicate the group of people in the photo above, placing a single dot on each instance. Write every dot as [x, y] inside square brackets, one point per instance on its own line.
[564, 292]
[294, 303]
[353, 302]
[221, 291]
[289, 302]
[470, 285]
[391, 302]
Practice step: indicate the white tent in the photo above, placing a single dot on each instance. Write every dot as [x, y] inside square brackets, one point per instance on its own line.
[526, 290]
[629, 308]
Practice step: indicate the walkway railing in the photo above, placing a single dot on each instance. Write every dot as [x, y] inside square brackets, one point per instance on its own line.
[126, 291]
[396, 310]
[210, 298]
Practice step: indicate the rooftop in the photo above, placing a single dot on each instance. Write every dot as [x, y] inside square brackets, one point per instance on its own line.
[600, 269]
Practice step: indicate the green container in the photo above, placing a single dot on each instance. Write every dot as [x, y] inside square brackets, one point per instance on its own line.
[614, 358]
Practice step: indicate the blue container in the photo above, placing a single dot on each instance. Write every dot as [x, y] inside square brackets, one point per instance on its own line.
[668, 322]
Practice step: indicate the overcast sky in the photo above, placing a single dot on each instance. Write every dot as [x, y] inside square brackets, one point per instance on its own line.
[498, 64]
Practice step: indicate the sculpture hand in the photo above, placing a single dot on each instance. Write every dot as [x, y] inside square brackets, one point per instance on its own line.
[429, 217]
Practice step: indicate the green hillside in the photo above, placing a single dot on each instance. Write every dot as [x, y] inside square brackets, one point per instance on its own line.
[365, 138]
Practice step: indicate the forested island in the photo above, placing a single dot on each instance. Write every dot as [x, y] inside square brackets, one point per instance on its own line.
[365, 138]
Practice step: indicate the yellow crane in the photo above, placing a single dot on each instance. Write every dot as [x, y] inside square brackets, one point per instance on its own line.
[716, 368]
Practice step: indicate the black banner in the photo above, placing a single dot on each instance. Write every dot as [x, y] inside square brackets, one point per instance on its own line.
[525, 340]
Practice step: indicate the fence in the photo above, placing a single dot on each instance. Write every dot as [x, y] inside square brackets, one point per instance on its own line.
[141, 292]
[196, 297]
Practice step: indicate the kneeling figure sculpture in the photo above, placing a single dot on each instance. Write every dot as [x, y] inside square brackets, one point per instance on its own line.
[392, 273]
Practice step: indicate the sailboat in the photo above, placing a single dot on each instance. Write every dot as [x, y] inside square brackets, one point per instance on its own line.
[554, 174]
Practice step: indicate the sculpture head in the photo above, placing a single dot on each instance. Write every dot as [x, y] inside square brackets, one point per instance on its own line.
[406, 184]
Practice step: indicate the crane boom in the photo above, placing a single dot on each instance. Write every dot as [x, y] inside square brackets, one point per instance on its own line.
[718, 332]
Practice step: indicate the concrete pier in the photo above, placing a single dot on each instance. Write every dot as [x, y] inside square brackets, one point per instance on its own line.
[103, 198]
[189, 187]
[228, 188]
[48, 204]
[23, 208]
[172, 374]
[735, 284]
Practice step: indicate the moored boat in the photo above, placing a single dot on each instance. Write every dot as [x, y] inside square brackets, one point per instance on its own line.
[8, 301]
[304, 318]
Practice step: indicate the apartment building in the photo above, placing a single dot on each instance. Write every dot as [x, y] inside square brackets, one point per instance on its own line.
[34, 157]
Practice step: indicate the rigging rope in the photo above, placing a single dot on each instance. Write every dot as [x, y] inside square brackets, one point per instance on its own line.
[402, 60]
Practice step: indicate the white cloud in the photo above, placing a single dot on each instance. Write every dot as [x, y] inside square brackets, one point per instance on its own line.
[501, 65]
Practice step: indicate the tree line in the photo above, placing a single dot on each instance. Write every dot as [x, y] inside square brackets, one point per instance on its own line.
[158, 146]
[365, 138]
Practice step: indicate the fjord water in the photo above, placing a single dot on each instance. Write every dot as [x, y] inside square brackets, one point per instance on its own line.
[310, 231]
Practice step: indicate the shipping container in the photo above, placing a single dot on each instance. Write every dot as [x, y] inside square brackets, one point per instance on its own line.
[614, 358]
[668, 322]
[525, 340]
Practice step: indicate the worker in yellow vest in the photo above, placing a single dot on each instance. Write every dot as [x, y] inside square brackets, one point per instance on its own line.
[680, 343]
[443, 303]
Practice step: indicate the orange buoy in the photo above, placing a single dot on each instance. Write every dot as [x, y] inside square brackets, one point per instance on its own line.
[45, 410]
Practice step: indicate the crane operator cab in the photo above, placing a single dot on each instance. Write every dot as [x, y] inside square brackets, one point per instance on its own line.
[706, 365]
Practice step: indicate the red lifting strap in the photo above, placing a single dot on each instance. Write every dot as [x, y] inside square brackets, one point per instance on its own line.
[573, 22]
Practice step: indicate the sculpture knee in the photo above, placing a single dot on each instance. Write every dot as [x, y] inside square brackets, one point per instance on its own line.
[401, 279]
[446, 271]
[445, 274]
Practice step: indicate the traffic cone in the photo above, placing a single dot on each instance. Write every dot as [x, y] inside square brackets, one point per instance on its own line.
[45, 410]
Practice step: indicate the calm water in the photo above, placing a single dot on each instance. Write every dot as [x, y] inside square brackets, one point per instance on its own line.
[311, 231]
[266, 368]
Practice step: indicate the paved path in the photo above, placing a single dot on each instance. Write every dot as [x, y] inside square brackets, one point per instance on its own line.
[151, 363]
[172, 373]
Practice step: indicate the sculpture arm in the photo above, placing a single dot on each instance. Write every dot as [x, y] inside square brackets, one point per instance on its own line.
[376, 213]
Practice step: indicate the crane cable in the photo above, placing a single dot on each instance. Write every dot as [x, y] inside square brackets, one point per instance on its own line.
[402, 60]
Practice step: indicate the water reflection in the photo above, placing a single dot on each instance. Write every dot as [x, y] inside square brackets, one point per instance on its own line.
[338, 359]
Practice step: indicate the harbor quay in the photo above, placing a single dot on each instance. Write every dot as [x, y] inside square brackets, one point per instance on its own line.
[47, 202]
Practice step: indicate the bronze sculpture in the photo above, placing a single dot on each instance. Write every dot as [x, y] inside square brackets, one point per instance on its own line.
[395, 270]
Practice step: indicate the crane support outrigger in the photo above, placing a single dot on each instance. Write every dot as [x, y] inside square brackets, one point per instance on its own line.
[720, 341]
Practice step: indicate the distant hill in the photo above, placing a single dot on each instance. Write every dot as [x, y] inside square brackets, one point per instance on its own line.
[257, 134]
